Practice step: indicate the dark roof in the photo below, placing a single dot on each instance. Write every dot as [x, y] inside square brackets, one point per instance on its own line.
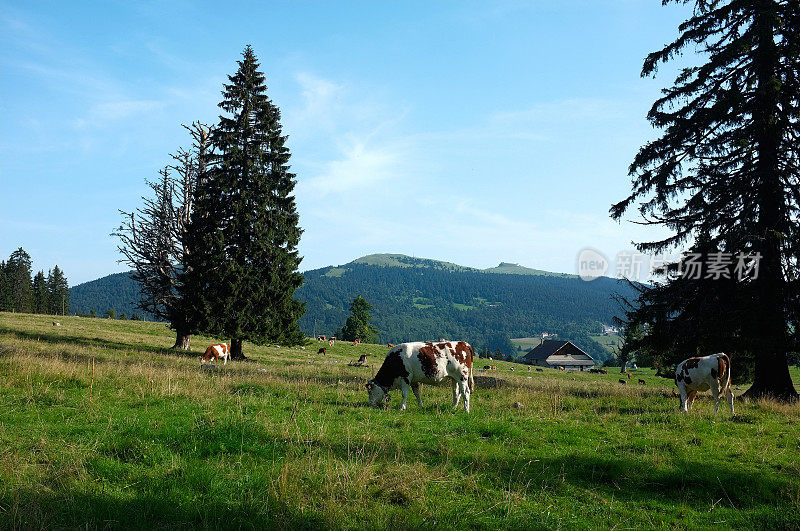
[544, 350]
[548, 347]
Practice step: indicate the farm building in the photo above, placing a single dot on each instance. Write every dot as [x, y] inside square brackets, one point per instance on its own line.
[554, 354]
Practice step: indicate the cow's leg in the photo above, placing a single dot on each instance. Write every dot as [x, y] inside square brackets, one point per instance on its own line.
[690, 400]
[715, 392]
[415, 388]
[463, 387]
[404, 391]
[682, 392]
[729, 395]
[456, 395]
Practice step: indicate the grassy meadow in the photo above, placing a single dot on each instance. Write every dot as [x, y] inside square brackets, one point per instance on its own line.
[103, 426]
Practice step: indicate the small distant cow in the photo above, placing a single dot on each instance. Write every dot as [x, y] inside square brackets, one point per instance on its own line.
[215, 352]
[390, 345]
[701, 374]
[487, 367]
[356, 342]
[320, 338]
[321, 351]
[630, 376]
[539, 370]
[623, 382]
[331, 342]
[642, 382]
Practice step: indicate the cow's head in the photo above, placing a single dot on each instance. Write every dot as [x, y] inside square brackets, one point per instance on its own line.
[378, 396]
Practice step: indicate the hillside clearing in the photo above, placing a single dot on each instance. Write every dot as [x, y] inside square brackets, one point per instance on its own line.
[286, 440]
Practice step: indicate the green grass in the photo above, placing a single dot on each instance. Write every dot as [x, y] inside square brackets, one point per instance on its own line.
[287, 441]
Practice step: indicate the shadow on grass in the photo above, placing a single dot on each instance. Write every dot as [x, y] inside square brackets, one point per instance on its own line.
[27, 509]
[94, 342]
[682, 482]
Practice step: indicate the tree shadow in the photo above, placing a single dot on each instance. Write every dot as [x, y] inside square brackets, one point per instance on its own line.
[28, 509]
[95, 342]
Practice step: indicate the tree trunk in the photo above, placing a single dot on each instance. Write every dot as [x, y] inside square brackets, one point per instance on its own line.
[771, 377]
[236, 350]
[182, 341]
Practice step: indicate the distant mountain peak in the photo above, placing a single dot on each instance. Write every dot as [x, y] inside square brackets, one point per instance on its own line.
[402, 260]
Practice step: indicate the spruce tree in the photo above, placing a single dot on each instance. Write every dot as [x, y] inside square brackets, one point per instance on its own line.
[19, 283]
[58, 292]
[5, 289]
[41, 298]
[242, 265]
[724, 178]
[358, 325]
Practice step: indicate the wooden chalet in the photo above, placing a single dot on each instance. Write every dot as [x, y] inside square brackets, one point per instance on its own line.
[555, 354]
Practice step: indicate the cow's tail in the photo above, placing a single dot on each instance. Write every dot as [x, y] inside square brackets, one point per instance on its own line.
[471, 363]
[725, 378]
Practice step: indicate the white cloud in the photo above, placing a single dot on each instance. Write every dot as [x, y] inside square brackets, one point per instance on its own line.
[101, 114]
[359, 166]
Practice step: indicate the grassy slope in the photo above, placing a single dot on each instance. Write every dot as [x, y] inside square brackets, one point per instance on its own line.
[287, 441]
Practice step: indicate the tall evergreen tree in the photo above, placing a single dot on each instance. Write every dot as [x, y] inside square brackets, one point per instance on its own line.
[5, 289]
[358, 325]
[41, 297]
[58, 292]
[242, 266]
[726, 168]
[19, 284]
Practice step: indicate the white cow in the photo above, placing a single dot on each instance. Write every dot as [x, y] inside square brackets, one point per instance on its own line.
[410, 364]
[701, 374]
[214, 352]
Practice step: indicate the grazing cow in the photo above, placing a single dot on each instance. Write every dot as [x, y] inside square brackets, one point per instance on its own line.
[356, 342]
[642, 382]
[215, 352]
[320, 338]
[701, 374]
[487, 367]
[408, 365]
[539, 370]
[623, 382]
[331, 341]
[321, 351]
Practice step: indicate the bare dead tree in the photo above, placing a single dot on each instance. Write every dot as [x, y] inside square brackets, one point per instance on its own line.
[152, 238]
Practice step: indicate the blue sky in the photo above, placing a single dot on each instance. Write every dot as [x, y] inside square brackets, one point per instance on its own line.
[472, 132]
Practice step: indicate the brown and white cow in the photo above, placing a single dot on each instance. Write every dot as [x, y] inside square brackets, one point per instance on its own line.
[222, 350]
[701, 374]
[408, 365]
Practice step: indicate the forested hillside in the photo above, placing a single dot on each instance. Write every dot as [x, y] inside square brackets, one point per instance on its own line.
[425, 299]
[116, 292]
